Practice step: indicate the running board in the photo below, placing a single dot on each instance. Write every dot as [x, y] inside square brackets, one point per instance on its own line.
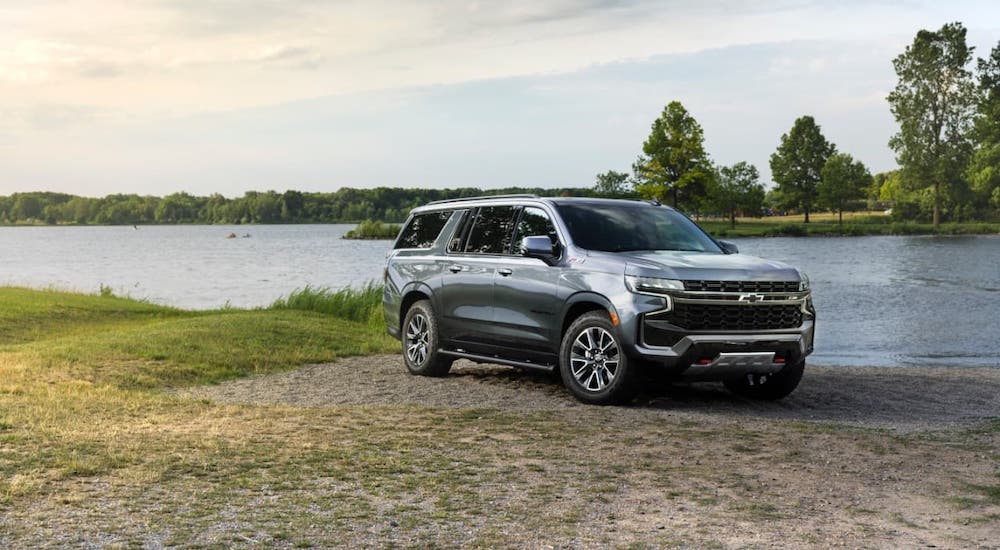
[498, 360]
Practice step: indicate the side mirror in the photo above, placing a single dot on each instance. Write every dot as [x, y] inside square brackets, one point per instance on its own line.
[729, 248]
[538, 246]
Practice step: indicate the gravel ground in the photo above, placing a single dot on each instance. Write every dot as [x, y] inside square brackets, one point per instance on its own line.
[899, 399]
[687, 466]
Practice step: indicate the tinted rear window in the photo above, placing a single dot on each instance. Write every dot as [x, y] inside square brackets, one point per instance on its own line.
[617, 227]
[423, 230]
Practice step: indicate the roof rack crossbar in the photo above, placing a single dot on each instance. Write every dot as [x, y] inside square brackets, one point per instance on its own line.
[484, 197]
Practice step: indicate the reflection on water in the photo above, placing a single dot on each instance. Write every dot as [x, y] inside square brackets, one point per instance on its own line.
[891, 301]
[899, 300]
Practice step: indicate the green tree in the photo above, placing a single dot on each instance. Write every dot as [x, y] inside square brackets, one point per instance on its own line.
[737, 188]
[612, 184]
[27, 206]
[886, 187]
[844, 180]
[984, 167]
[291, 205]
[797, 165]
[174, 208]
[675, 162]
[933, 103]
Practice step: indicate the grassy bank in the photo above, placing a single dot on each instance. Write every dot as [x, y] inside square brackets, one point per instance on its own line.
[373, 230]
[96, 448]
[825, 224]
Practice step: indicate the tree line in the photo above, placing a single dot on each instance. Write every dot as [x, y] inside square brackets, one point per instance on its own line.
[947, 148]
[347, 205]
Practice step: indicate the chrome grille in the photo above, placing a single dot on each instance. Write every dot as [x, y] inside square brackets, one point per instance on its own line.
[742, 286]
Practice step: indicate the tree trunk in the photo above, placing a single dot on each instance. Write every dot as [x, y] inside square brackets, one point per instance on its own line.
[937, 209]
[674, 191]
[732, 217]
[806, 210]
[840, 217]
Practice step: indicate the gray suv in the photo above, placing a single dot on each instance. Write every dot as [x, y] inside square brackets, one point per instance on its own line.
[599, 291]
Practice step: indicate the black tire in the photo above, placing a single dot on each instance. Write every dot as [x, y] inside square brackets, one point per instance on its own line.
[768, 387]
[420, 342]
[589, 368]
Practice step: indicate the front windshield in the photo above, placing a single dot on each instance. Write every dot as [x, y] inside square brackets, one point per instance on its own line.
[624, 226]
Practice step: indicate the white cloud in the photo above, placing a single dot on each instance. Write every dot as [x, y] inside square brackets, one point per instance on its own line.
[120, 63]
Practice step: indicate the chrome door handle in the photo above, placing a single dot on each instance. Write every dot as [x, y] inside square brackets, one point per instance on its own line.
[455, 268]
[503, 271]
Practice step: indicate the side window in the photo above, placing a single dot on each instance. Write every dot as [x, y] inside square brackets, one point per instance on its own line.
[422, 230]
[455, 245]
[491, 230]
[533, 222]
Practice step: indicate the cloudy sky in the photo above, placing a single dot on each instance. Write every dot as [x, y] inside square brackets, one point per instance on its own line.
[203, 96]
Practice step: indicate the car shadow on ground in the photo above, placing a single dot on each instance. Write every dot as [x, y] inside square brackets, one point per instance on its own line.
[898, 398]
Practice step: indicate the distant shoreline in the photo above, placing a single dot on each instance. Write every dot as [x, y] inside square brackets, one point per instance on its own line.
[717, 228]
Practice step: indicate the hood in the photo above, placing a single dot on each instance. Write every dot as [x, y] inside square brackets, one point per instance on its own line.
[701, 266]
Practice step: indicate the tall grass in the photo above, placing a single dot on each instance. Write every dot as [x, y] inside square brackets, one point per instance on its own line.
[363, 305]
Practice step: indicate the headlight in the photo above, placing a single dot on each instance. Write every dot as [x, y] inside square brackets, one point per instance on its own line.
[652, 285]
[804, 282]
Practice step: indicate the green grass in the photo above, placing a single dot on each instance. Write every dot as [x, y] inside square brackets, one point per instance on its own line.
[825, 224]
[853, 227]
[369, 229]
[31, 315]
[132, 344]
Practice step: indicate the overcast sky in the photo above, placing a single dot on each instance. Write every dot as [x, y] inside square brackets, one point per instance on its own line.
[204, 96]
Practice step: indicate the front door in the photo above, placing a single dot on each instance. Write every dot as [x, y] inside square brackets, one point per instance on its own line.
[526, 295]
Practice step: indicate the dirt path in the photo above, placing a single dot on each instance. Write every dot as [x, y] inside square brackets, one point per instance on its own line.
[898, 399]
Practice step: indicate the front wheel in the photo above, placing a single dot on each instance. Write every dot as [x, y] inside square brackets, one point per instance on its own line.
[592, 363]
[420, 342]
[768, 387]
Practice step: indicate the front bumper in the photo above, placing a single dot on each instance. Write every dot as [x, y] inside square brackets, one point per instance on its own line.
[725, 356]
[716, 336]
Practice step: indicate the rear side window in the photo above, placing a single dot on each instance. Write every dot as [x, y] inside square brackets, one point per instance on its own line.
[423, 230]
[491, 231]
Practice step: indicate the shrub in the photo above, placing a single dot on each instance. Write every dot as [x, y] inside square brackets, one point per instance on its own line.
[789, 230]
[369, 229]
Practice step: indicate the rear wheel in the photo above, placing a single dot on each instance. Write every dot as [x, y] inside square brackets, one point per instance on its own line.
[593, 364]
[768, 387]
[420, 342]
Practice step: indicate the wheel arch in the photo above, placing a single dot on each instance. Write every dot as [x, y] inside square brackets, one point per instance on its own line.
[580, 303]
[411, 295]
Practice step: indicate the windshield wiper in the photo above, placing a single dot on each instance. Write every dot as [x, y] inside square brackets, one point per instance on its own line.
[656, 250]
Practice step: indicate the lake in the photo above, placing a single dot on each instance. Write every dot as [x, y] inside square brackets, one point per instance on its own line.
[883, 301]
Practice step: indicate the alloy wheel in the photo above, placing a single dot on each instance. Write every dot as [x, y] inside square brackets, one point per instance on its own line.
[417, 336]
[594, 358]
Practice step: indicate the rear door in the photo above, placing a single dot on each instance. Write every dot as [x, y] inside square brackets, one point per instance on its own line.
[466, 297]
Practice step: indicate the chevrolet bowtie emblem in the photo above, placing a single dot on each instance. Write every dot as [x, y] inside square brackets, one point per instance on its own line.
[751, 298]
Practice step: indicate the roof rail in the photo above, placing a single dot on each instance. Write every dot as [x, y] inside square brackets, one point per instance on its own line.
[484, 197]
